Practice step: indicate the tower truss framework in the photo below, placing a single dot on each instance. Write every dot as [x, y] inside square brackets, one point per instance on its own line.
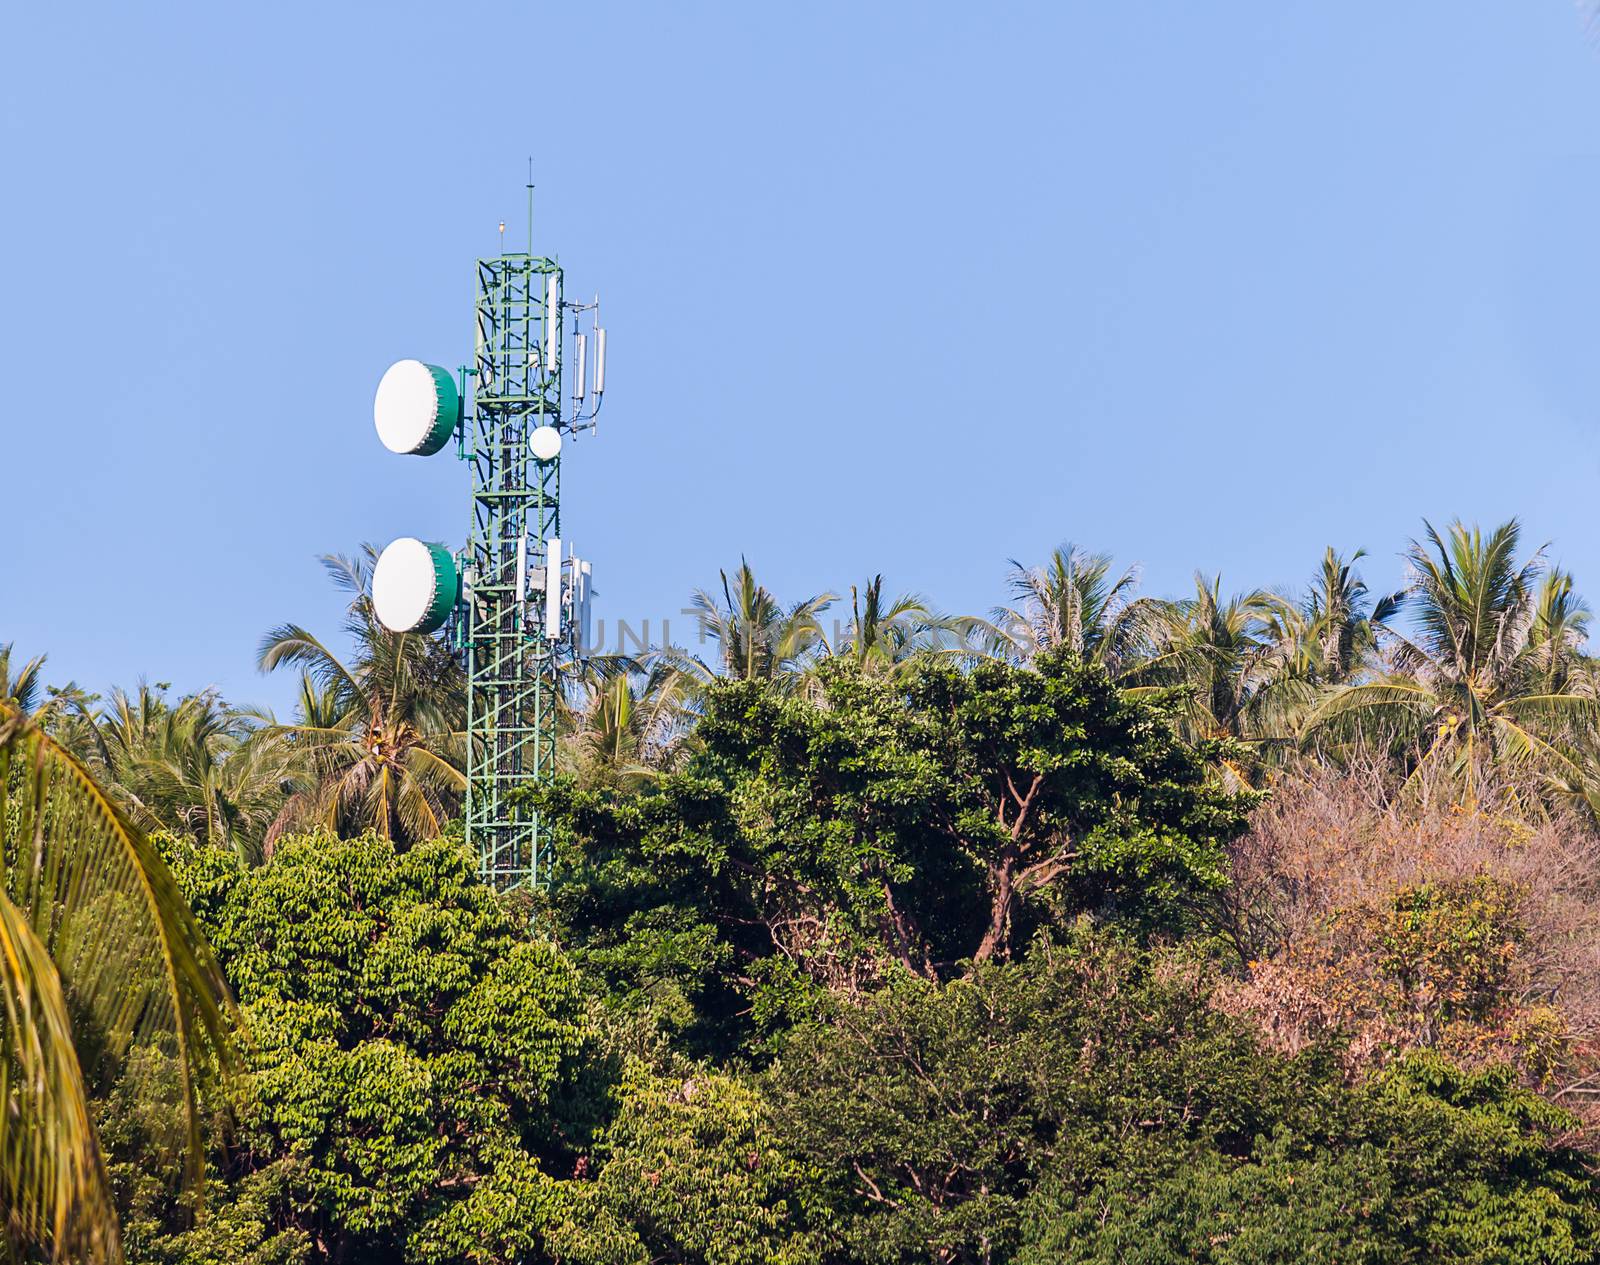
[513, 666]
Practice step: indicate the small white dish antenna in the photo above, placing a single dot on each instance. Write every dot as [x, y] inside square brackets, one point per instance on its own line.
[545, 443]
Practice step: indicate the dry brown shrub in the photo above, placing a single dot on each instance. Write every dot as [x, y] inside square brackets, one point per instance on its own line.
[1396, 919]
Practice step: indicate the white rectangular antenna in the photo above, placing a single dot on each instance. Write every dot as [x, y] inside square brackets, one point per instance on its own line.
[573, 604]
[581, 353]
[583, 608]
[552, 323]
[552, 588]
[522, 568]
[599, 361]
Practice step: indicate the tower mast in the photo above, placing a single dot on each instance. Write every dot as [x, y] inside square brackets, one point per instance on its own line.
[513, 657]
[520, 607]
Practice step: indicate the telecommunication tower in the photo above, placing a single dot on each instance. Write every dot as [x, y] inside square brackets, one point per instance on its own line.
[517, 598]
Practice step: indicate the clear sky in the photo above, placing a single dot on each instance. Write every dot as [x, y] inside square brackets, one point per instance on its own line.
[911, 288]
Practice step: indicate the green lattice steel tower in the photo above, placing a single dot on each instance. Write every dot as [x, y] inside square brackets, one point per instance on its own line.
[513, 667]
[520, 604]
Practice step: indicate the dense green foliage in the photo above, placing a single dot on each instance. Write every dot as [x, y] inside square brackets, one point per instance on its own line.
[434, 1086]
[431, 1086]
[1089, 1105]
[411, 1054]
[940, 818]
[436, 1082]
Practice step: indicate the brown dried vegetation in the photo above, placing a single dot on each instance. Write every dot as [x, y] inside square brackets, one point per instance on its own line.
[1399, 921]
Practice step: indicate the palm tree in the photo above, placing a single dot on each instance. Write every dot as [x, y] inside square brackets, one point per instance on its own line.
[98, 952]
[626, 727]
[883, 634]
[1341, 626]
[382, 737]
[1227, 654]
[1073, 603]
[1560, 629]
[757, 638]
[23, 689]
[195, 767]
[1324, 640]
[318, 705]
[1488, 676]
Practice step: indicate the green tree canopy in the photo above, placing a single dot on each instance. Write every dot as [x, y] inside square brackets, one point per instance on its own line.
[1088, 1104]
[431, 1087]
[923, 822]
[416, 1060]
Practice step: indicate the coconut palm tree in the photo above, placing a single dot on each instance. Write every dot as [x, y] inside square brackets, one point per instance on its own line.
[1342, 627]
[1227, 654]
[1074, 603]
[24, 689]
[1557, 635]
[381, 738]
[194, 767]
[1487, 678]
[1323, 640]
[317, 705]
[626, 727]
[882, 634]
[99, 957]
[756, 638]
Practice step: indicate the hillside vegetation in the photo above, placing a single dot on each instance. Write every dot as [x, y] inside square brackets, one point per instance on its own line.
[1243, 928]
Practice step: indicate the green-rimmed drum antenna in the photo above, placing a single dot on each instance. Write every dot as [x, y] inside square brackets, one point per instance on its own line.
[417, 408]
[415, 586]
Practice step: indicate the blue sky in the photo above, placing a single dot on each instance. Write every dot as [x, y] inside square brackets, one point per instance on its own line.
[901, 288]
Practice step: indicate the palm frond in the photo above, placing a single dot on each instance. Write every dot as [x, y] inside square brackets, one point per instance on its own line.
[20, 688]
[129, 956]
[1373, 695]
[53, 1180]
[290, 644]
